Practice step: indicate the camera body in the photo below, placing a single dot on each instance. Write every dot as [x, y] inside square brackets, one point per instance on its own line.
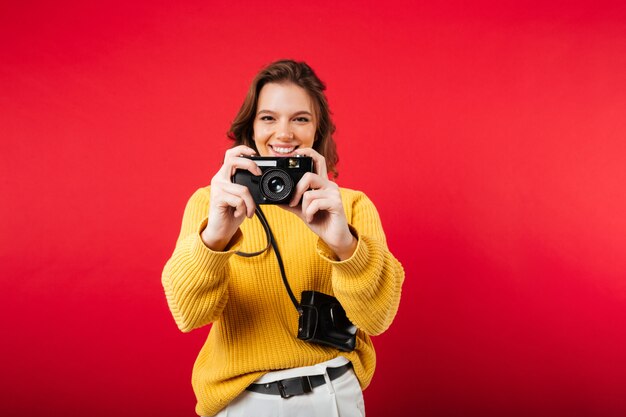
[323, 321]
[278, 182]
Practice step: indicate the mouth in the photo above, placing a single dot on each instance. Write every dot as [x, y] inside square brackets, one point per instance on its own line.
[283, 150]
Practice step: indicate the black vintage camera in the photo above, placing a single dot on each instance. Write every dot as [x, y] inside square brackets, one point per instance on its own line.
[323, 320]
[279, 179]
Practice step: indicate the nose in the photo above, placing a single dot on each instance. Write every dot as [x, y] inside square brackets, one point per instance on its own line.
[284, 133]
[284, 136]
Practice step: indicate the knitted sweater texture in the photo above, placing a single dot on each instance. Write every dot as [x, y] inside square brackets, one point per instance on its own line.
[254, 322]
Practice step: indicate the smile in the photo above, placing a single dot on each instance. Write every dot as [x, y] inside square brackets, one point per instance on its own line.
[282, 149]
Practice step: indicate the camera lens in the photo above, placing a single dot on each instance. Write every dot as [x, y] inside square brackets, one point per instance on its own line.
[276, 186]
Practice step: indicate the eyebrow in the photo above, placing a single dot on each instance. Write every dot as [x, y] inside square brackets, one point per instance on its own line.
[295, 114]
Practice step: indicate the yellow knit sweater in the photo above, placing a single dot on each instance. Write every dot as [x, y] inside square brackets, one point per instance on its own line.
[254, 322]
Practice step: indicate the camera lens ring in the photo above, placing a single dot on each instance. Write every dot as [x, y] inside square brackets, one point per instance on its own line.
[276, 185]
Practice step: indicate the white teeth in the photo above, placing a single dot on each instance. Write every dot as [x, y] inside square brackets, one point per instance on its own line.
[283, 150]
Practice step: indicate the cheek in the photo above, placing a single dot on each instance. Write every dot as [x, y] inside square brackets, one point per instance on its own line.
[259, 134]
[311, 136]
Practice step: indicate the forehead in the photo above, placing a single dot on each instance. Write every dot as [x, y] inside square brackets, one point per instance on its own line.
[284, 97]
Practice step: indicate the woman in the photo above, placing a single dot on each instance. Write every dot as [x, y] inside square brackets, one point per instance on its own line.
[331, 241]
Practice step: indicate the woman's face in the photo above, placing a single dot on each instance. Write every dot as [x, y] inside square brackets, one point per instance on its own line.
[285, 120]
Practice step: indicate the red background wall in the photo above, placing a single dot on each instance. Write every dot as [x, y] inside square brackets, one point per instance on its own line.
[489, 134]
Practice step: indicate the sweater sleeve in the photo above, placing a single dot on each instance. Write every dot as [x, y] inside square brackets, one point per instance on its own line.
[195, 278]
[368, 284]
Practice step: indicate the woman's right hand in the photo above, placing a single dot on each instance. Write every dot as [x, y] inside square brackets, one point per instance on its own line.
[230, 203]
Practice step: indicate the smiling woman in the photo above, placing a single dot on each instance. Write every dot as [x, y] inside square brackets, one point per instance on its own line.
[259, 359]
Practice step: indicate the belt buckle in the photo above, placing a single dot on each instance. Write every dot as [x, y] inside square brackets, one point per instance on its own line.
[281, 389]
[305, 386]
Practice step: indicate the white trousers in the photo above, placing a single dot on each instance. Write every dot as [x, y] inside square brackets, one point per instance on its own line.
[339, 398]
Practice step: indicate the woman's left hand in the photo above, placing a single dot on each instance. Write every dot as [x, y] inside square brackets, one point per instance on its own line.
[322, 208]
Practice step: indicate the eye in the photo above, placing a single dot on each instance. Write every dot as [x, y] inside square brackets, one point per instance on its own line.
[266, 118]
[302, 119]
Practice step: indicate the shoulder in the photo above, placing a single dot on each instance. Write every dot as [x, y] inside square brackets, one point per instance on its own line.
[203, 191]
[356, 203]
[361, 213]
[200, 197]
[350, 196]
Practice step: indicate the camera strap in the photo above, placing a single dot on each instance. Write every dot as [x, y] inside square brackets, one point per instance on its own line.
[271, 241]
[322, 319]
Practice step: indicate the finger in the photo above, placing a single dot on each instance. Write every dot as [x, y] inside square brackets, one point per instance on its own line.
[317, 205]
[233, 160]
[235, 202]
[332, 202]
[233, 163]
[311, 195]
[318, 160]
[241, 192]
[307, 182]
[239, 150]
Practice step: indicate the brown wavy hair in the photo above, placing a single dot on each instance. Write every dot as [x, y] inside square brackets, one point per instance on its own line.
[300, 74]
